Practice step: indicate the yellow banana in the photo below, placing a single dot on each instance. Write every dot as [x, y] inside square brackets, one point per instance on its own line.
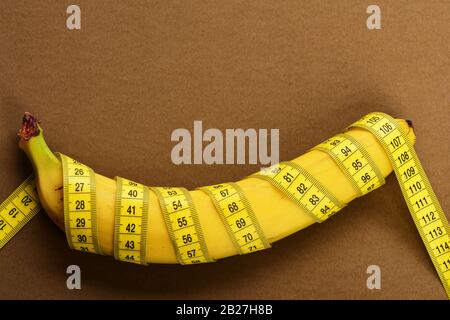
[277, 215]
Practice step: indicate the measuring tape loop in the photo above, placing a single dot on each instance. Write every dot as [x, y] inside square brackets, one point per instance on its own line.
[183, 225]
[130, 223]
[422, 202]
[354, 161]
[238, 217]
[15, 212]
[80, 206]
[301, 187]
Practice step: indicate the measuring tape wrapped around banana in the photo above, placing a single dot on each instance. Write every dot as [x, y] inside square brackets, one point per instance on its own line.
[144, 225]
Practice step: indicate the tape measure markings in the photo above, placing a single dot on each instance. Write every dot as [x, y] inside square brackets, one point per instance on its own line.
[131, 216]
[80, 206]
[352, 158]
[302, 188]
[183, 225]
[15, 215]
[422, 202]
[237, 215]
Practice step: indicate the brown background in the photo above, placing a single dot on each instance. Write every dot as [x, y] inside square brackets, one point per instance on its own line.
[111, 94]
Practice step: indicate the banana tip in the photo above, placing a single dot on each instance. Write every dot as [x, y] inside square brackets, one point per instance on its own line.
[410, 123]
[29, 128]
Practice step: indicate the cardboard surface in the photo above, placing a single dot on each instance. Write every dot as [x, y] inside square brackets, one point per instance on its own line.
[111, 93]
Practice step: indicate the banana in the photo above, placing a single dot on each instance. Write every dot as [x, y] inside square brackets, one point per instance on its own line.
[277, 215]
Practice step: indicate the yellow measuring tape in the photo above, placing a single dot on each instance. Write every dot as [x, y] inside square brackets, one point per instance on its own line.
[354, 161]
[302, 188]
[422, 202]
[18, 209]
[237, 214]
[183, 225]
[234, 209]
[130, 236]
[80, 206]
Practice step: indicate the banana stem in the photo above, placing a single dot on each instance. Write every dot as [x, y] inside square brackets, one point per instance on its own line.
[30, 127]
[33, 144]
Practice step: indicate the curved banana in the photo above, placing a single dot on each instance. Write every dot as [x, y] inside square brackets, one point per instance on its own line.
[277, 215]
